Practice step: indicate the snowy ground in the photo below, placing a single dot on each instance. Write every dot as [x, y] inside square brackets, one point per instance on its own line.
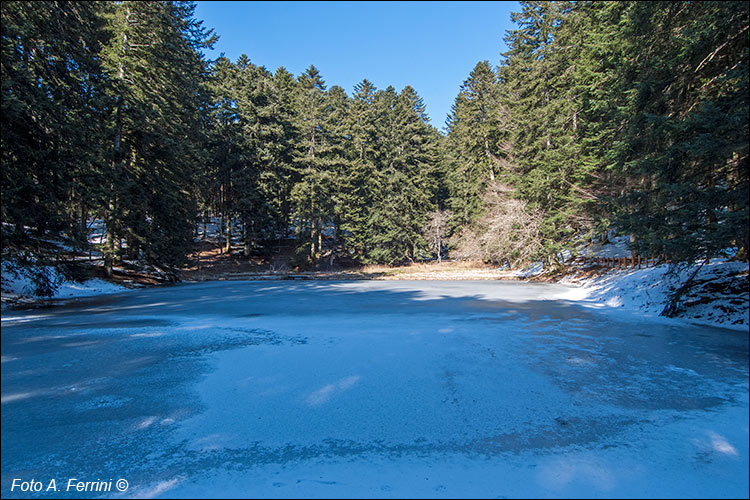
[67, 289]
[17, 286]
[370, 389]
[720, 297]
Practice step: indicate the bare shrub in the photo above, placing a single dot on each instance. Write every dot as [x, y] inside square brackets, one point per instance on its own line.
[507, 232]
[435, 231]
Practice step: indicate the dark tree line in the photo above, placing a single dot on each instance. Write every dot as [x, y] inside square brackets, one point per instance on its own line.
[624, 115]
[102, 115]
[291, 156]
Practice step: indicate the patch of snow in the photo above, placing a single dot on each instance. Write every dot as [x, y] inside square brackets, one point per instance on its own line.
[18, 281]
[20, 284]
[535, 269]
[88, 288]
[617, 246]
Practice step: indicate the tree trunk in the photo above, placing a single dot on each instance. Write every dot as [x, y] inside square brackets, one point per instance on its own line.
[84, 225]
[109, 246]
[439, 247]
[109, 250]
[312, 241]
[489, 155]
[672, 307]
[312, 225]
[320, 238]
[228, 245]
[221, 235]
[246, 240]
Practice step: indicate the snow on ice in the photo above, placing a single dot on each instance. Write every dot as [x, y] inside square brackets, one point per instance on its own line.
[372, 389]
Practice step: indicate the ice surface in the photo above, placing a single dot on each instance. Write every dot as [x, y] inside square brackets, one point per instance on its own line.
[371, 389]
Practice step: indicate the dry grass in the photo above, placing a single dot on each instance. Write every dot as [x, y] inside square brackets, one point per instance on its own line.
[208, 263]
[430, 271]
[461, 270]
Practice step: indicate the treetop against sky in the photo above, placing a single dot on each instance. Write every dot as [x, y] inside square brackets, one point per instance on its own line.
[431, 46]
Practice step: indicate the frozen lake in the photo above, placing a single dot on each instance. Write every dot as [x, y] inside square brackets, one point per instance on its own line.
[369, 389]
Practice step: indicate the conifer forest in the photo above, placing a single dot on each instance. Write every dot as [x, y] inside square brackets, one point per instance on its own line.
[625, 116]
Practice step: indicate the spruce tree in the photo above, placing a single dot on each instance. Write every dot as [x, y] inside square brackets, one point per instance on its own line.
[405, 193]
[53, 106]
[685, 144]
[259, 178]
[157, 70]
[357, 188]
[475, 132]
[285, 143]
[338, 159]
[532, 91]
[312, 194]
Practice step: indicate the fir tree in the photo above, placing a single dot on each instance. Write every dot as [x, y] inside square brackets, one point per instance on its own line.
[286, 140]
[53, 107]
[404, 198]
[312, 194]
[685, 145]
[475, 130]
[256, 180]
[357, 187]
[154, 62]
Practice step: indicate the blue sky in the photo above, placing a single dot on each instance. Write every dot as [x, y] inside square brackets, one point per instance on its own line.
[432, 46]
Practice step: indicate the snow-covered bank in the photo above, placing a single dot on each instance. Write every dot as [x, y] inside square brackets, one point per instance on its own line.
[20, 287]
[87, 289]
[719, 297]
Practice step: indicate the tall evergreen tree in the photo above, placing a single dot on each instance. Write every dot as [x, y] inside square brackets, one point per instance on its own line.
[685, 144]
[338, 160]
[285, 143]
[405, 194]
[157, 70]
[475, 136]
[534, 75]
[596, 89]
[257, 179]
[357, 185]
[53, 106]
[312, 194]
[223, 136]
